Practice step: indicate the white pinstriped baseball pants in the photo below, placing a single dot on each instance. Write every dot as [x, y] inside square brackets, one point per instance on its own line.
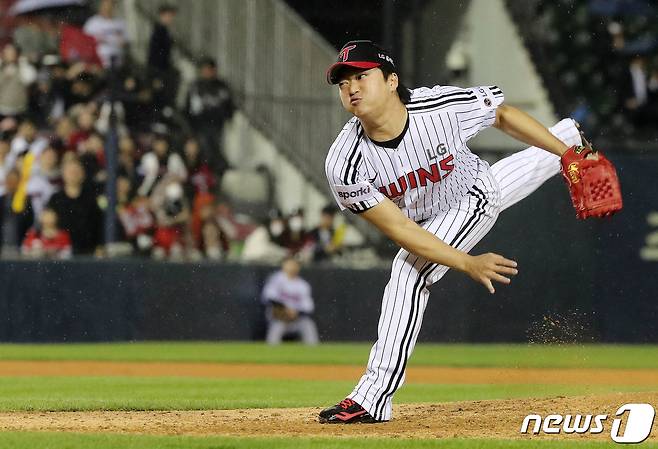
[405, 297]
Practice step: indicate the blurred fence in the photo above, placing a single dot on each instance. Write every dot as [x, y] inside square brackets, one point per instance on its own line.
[274, 62]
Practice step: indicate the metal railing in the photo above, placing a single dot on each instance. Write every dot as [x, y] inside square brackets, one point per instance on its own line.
[275, 64]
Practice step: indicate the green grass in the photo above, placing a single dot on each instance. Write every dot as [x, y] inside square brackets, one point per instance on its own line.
[189, 393]
[164, 393]
[483, 355]
[49, 440]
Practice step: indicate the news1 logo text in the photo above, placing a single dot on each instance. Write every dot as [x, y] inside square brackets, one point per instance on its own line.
[636, 420]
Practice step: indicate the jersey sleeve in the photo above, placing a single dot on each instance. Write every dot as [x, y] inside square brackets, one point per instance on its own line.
[271, 289]
[480, 113]
[350, 188]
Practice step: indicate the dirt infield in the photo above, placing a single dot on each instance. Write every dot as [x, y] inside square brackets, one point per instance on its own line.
[425, 374]
[473, 419]
[467, 419]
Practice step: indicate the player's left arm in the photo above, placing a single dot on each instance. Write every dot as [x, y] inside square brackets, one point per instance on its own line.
[521, 126]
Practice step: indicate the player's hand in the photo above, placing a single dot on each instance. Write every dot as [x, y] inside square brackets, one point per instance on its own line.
[489, 267]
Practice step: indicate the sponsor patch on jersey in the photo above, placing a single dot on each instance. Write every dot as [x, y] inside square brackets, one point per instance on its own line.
[485, 97]
[354, 193]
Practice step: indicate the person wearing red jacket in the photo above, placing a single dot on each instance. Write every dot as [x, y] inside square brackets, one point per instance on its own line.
[49, 241]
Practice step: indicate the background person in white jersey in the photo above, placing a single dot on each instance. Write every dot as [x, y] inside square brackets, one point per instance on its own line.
[402, 164]
[111, 33]
[289, 305]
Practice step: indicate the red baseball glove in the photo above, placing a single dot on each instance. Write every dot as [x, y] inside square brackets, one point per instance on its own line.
[592, 182]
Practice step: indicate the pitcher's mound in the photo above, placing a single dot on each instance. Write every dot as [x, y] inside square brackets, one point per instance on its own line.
[500, 419]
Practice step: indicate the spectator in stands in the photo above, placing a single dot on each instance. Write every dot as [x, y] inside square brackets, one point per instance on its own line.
[83, 86]
[297, 236]
[75, 46]
[135, 217]
[110, 33]
[201, 178]
[44, 180]
[266, 243]
[66, 100]
[25, 141]
[236, 226]
[77, 208]
[289, 305]
[157, 163]
[8, 126]
[650, 110]
[209, 107]
[172, 237]
[92, 156]
[48, 97]
[637, 84]
[48, 240]
[203, 206]
[639, 93]
[127, 165]
[137, 99]
[214, 242]
[85, 121]
[16, 75]
[15, 218]
[327, 240]
[163, 75]
[25, 150]
[278, 228]
[33, 38]
[161, 42]
[631, 45]
[64, 129]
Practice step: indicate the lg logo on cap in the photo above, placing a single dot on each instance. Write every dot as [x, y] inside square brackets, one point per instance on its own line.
[385, 57]
[638, 420]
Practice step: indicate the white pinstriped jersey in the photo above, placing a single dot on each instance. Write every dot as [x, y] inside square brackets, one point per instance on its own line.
[429, 169]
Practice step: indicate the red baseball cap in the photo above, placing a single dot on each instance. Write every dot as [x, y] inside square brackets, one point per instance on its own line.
[361, 55]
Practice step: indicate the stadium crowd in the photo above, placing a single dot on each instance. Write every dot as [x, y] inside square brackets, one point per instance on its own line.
[62, 85]
[602, 56]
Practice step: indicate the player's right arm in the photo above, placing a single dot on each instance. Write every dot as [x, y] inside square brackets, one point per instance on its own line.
[485, 268]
